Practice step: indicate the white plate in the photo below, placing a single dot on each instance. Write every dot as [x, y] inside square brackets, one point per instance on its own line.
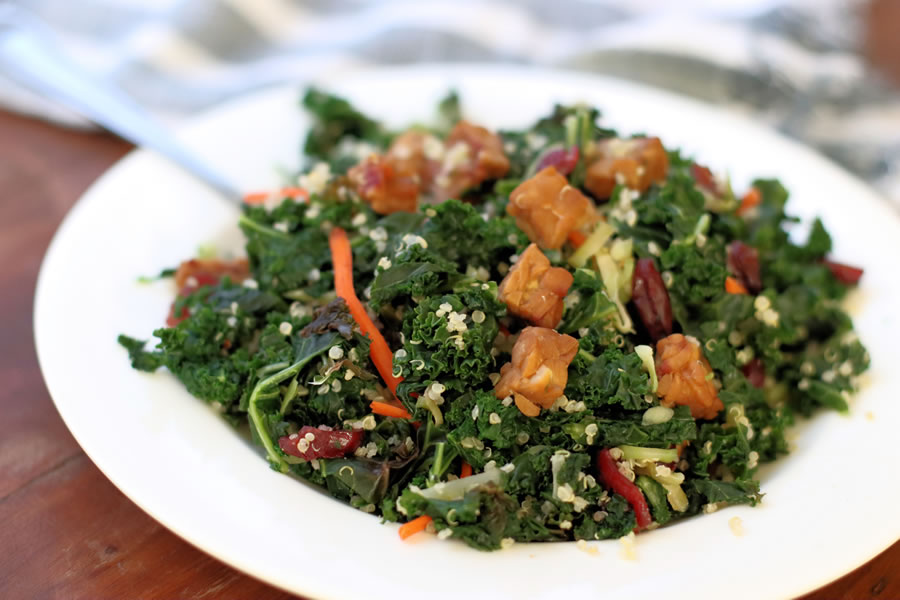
[829, 507]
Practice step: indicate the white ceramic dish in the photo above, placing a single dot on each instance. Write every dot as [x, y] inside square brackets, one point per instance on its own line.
[829, 506]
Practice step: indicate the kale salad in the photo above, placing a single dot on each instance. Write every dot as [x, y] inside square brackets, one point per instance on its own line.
[558, 333]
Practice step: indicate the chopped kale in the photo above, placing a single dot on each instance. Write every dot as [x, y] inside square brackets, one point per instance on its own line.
[612, 378]
[282, 352]
[141, 359]
[333, 316]
[334, 120]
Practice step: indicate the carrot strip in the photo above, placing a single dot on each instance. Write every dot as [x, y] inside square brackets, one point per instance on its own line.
[750, 200]
[577, 238]
[415, 526]
[294, 192]
[256, 197]
[286, 192]
[342, 259]
[733, 286]
[389, 410]
[465, 471]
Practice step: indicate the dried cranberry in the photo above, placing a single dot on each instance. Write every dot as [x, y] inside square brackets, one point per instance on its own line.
[564, 159]
[844, 273]
[651, 298]
[311, 442]
[743, 263]
[704, 177]
[755, 372]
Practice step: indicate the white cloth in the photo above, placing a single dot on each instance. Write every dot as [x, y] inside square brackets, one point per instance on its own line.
[792, 63]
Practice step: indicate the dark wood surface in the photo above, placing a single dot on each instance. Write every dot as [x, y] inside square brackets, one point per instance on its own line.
[882, 44]
[66, 531]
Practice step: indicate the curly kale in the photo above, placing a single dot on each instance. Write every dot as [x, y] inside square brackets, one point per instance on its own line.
[589, 304]
[281, 352]
[334, 316]
[449, 339]
[335, 119]
[677, 207]
[611, 378]
[210, 351]
[525, 503]
[457, 232]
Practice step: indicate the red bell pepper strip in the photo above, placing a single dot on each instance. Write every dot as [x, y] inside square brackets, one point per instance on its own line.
[620, 485]
[704, 177]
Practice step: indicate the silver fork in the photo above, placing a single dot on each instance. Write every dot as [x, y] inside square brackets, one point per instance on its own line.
[29, 57]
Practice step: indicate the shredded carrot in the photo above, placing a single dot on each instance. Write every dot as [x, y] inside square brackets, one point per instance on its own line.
[415, 526]
[733, 286]
[389, 410]
[342, 259]
[465, 470]
[256, 198]
[294, 192]
[286, 192]
[577, 238]
[750, 200]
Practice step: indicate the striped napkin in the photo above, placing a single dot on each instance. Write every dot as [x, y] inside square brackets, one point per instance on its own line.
[794, 64]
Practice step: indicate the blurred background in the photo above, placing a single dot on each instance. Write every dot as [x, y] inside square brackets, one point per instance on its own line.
[824, 71]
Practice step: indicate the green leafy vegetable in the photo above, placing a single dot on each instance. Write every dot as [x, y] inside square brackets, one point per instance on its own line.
[335, 119]
[280, 351]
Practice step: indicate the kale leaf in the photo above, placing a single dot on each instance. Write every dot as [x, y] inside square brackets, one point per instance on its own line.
[334, 119]
[449, 339]
[729, 492]
[458, 233]
[587, 303]
[613, 378]
[141, 359]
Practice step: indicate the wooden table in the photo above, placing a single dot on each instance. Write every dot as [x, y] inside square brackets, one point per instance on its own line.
[67, 532]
